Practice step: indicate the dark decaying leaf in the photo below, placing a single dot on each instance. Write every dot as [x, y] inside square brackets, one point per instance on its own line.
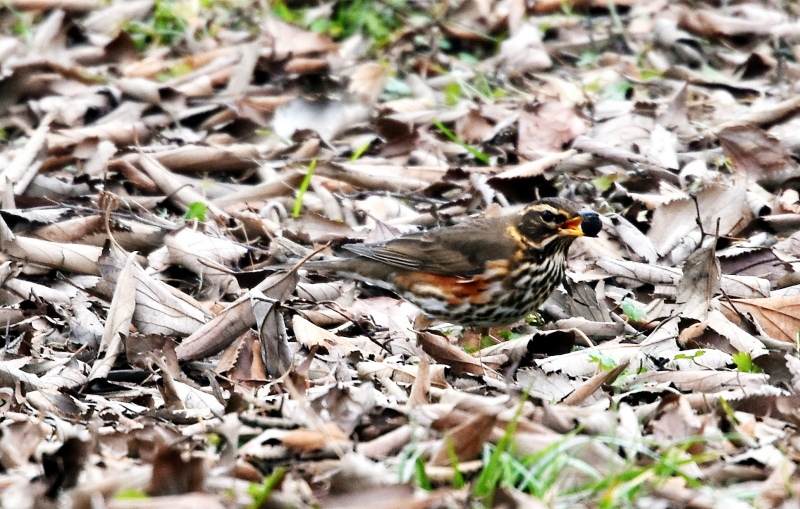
[63, 467]
[175, 475]
[275, 353]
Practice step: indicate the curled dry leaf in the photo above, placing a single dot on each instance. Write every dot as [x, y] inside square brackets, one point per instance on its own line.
[69, 257]
[443, 352]
[195, 399]
[309, 440]
[310, 335]
[22, 170]
[202, 159]
[130, 234]
[739, 338]
[635, 240]
[714, 337]
[379, 176]
[171, 186]
[535, 167]
[675, 420]
[242, 359]
[280, 185]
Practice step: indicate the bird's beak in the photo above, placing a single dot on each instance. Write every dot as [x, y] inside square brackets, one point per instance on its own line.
[572, 227]
[585, 223]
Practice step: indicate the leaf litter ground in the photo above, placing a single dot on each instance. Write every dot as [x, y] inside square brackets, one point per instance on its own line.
[160, 157]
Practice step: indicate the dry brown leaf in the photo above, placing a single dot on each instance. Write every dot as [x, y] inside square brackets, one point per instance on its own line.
[739, 338]
[674, 231]
[309, 440]
[712, 24]
[310, 335]
[368, 81]
[778, 317]
[547, 128]
[22, 170]
[174, 475]
[279, 186]
[443, 352]
[756, 153]
[187, 501]
[676, 421]
[775, 490]
[242, 359]
[174, 188]
[381, 176]
[401, 373]
[635, 240]
[473, 128]
[398, 496]
[131, 235]
[590, 386]
[465, 440]
[220, 331]
[206, 159]
[275, 353]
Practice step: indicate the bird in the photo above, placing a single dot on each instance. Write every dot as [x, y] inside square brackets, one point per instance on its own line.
[485, 272]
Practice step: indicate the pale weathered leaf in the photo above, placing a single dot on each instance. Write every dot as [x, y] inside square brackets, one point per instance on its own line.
[118, 320]
[160, 308]
[699, 284]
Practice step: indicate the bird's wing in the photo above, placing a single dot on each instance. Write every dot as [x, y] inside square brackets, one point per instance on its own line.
[452, 251]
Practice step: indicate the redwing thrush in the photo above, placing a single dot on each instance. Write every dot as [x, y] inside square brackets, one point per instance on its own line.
[487, 272]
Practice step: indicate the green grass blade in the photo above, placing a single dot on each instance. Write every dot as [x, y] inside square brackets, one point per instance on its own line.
[480, 156]
[301, 191]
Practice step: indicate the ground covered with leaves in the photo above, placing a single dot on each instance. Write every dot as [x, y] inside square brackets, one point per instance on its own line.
[161, 158]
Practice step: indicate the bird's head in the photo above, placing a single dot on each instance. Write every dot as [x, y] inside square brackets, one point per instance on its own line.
[555, 219]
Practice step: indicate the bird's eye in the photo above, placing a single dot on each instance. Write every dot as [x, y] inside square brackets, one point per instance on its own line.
[548, 216]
